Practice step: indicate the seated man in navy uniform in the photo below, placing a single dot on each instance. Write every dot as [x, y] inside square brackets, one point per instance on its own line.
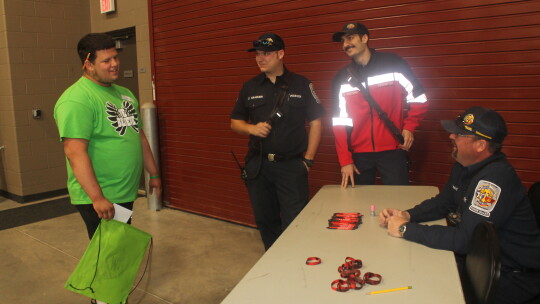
[483, 186]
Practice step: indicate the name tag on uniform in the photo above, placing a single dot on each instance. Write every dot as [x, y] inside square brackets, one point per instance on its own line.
[255, 97]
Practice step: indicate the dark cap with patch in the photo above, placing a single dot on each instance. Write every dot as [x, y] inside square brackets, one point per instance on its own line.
[268, 42]
[482, 122]
[350, 29]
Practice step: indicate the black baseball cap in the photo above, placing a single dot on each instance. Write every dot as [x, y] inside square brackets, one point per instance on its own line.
[482, 122]
[268, 42]
[351, 28]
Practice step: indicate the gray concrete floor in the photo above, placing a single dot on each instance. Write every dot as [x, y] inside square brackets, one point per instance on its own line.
[195, 259]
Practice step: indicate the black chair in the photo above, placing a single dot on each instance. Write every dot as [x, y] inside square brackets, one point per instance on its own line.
[482, 265]
[534, 197]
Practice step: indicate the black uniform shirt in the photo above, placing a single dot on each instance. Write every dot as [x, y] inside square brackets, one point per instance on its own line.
[487, 191]
[256, 102]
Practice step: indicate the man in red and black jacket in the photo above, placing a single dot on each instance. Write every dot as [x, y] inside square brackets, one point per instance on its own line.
[364, 143]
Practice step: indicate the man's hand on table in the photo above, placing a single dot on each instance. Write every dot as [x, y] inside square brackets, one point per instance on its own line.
[386, 213]
[393, 218]
[393, 225]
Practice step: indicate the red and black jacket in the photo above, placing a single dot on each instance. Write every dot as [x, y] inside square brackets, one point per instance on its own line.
[391, 82]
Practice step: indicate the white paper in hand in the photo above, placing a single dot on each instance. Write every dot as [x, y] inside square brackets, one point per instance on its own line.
[121, 214]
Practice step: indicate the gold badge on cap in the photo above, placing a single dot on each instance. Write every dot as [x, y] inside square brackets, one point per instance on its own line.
[468, 119]
[350, 26]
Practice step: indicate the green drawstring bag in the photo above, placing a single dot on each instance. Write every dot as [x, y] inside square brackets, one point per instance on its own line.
[110, 264]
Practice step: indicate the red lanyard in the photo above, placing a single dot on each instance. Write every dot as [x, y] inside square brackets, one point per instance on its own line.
[345, 221]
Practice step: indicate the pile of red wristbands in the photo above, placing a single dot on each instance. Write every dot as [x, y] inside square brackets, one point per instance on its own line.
[345, 221]
[353, 278]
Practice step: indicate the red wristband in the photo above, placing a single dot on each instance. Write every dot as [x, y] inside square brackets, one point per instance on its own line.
[313, 261]
[372, 278]
[340, 285]
[355, 283]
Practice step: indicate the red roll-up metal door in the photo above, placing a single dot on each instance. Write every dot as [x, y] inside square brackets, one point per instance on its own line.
[468, 52]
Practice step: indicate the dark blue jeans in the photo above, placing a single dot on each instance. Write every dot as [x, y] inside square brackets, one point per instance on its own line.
[277, 194]
[392, 166]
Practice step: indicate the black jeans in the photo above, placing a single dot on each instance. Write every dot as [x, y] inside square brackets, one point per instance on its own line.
[91, 219]
[277, 194]
[392, 166]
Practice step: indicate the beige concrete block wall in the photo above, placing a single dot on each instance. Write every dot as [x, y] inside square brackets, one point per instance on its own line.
[9, 151]
[129, 13]
[38, 61]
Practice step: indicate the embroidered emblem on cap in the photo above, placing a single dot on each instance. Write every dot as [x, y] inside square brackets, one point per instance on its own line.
[350, 26]
[468, 119]
[485, 198]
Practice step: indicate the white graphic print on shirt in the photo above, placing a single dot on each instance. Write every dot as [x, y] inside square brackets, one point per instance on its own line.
[123, 118]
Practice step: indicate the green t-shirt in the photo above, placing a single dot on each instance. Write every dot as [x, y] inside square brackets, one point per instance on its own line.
[108, 117]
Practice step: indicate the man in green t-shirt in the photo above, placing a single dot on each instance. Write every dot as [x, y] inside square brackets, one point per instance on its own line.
[100, 128]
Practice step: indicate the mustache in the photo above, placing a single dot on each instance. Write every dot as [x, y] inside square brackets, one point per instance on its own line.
[348, 47]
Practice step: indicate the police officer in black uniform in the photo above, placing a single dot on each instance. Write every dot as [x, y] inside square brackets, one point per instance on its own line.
[483, 186]
[272, 108]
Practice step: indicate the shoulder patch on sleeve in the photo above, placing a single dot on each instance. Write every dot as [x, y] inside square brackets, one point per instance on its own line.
[485, 198]
[313, 93]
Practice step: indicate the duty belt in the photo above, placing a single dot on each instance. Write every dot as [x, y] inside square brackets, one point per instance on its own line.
[277, 158]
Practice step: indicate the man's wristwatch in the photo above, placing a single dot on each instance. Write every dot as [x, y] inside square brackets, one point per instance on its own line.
[309, 162]
[402, 229]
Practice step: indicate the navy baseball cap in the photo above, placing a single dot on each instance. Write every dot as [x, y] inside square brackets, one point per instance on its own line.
[268, 42]
[482, 122]
[349, 29]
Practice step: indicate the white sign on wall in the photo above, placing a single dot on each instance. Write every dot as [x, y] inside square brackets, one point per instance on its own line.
[107, 6]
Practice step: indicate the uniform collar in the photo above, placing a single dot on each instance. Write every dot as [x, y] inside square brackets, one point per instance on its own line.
[478, 166]
[261, 78]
